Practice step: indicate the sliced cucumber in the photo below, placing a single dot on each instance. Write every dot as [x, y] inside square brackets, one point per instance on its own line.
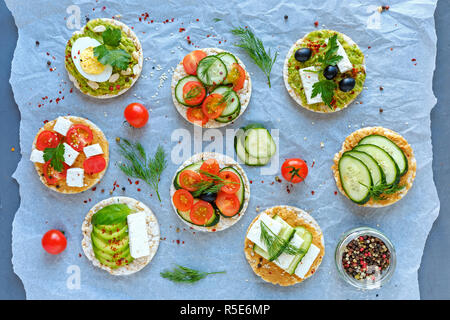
[228, 59]
[390, 147]
[259, 143]
[179, 89]
[232, 100]
[241, 192]
[375, 170]
[194, 167]
[185, 215]
[307, 240]
[230, 117]
[244, 156]
[211, 71]
[384, 160]
[355, 179]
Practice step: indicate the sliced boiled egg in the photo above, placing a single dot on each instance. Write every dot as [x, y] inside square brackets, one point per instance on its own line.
[86, 63]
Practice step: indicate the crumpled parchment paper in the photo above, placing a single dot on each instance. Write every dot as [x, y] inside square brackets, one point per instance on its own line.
[400, 47]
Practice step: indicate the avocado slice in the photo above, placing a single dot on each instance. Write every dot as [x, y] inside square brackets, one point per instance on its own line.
[111, 228]
[111, 248]
[106, 235]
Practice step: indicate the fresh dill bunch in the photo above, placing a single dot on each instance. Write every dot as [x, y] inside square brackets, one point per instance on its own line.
[276, 245]
[140, 166]
[255, 48]
[185, 274]
[377, 191]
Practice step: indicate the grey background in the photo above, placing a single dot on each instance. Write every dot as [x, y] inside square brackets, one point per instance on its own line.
[433, 278]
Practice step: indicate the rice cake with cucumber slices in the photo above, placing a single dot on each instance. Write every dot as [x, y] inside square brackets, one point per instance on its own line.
[86, 154]
[303, 59]
[228, 75]
[124, 236]
[223, 207]
[298, 254]
[378, 158]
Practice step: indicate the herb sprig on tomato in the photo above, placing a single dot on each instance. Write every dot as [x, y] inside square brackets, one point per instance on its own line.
[55, 156]
[294, 170]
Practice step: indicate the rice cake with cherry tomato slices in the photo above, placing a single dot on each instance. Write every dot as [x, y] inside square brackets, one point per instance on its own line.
[224, 161]
[152, 231]
[90, 180]
[323, 108]
[244, 94]
[268, 270]
[407, 179]
[130, 33]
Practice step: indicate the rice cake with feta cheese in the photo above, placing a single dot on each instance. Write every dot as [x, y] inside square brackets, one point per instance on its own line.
[152, 228]
[270, 271]
[90, 180]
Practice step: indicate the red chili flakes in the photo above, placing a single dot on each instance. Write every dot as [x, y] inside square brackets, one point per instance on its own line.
[178, 241]
[413, 59]
[196, 20]
[94, 188]
[136, 182]
[316, 23]
[103, 8]
[181, 29]
[129, 180]
[139, 190]
[118, 87]
[45, 121]
[251, 181]
[313, 163]
[111, 88]
[369, 47]
[335, 193]
[312, 192]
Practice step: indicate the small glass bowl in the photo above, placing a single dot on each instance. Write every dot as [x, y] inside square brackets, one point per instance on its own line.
[370, 282]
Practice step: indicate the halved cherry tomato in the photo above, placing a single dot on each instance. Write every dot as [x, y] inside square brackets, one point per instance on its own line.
[210, 166]
[188, 180]
[191, 60]
[47, 139]
[79, 136]
[201, 212]
[196, 115]
[294, 170]
[51, 175]
[236, 76]
[94, 164]
[227, 203]
[193, 93]
[54, 242]
[183, 200]
[136, 115]
[213, 105]
[234, 183]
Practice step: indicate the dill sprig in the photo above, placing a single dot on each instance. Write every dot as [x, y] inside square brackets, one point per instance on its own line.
[255, 48]
[210, 186]
[377, 191]
[186, 275]
[276, 245]
[140, 166]
[208, 63]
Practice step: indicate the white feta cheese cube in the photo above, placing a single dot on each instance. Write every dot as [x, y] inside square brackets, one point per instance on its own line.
[75, 177]
[284, 260]
[344, 65]
[62, 125]
[92, 150]
[307, 261]
[37, 156]
[70, 154]
[137, 233]
[309, 78]
[254, 233]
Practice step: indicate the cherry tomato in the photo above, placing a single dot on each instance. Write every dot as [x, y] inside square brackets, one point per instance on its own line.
[188, 180]
[228, 204]
[193, 93]
[234, 183]
[94, 164]
[236, 76]
[54, 242]
[47, 139]
[294, 170]
[183, 200]
[136, 115]
[196, 115]
[191, 60]
[201, 212]
[51, 175]
[213, 105]
[79, 136]
[210, 166]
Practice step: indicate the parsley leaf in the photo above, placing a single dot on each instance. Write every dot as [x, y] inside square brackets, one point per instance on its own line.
[56, 155]
[108, 53]
[330, 58]
[326, 89]
[112, 37]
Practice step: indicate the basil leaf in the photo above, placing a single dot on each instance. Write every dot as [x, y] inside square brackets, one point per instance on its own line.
[112, 214]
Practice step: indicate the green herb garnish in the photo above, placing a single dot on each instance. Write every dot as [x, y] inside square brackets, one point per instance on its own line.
[112, 214]
[217, 19]
[330, 58]
[108, 53]
[56, 155]
[210, 186]
[207, 64]
[255, 49]
[186, 275]
[140, 166]
[193, 93]
[377, 191]
[276, 245]
[326, 89]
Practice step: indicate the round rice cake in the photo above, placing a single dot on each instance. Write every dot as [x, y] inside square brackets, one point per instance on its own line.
[407, 179]
[268, 270]
[137, 69]
[90, 180]
[152, 231]
[244, 94]
[322, 107]
[224, 161]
